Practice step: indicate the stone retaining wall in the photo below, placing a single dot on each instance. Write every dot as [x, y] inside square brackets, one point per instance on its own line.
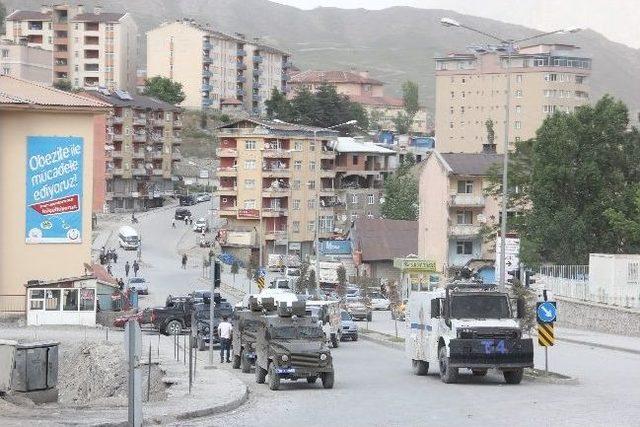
[597, 317]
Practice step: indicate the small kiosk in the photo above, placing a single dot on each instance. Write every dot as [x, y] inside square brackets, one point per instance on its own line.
[69, 301]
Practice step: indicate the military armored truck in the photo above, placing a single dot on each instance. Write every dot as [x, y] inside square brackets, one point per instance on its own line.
[246, 322]
[292, 346]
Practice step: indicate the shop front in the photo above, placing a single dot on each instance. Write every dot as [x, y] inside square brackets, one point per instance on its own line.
[69, 301]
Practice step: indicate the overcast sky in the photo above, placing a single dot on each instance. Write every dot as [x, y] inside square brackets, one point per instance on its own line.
[618, 20]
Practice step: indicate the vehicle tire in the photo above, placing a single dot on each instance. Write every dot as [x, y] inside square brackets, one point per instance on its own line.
[355, 337]
[420, 367]
[260, 375]
[201, 345]
[327, 380]
[513, 377]
[393, 315]
[274, 379]
[334, 341]
[479, 372]
[370, 317]
[237, 361]
[448, 374]
[174, 327]
[312, 379]
[244, 363]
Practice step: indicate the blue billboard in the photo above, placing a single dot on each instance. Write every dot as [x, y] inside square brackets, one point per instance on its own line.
[54, 189]
[335, 247]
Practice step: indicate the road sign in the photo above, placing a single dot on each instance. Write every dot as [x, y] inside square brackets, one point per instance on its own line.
[511, 255]
[546, 312]
[546, 336]
[260, 280]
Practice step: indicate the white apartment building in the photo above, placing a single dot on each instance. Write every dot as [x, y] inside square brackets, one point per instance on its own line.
[89, 49]
[215, 68]
[25, 62]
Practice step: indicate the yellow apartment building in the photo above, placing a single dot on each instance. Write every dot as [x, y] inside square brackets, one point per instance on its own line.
[471, 89]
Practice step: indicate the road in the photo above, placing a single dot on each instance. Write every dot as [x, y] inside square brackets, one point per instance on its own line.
[375, 386]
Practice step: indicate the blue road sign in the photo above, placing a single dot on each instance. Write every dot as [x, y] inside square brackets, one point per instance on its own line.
[547, 312]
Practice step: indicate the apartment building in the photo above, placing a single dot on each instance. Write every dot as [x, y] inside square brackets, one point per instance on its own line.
[90, 49]
[361, 167]
[471, 89]
[25, 62]
[279, 176]
[453, 209]
[143, 140]
[362, 89]
[214, 67]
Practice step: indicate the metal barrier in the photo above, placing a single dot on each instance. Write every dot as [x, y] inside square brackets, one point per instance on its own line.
[12, 303]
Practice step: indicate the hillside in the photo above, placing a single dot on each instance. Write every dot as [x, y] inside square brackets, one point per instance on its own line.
[394, 44]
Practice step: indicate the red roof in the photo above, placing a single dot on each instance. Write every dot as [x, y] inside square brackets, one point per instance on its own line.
[311, 76]
[377, 101]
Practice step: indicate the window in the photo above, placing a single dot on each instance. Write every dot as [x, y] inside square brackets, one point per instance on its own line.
[519, 78]
[249, 164]
[633, 272]
[311, 185]
[311, 225]
[450, 125]
[296, 185]
[5, 53]
[464, 80]
[250, 204]
[312, 145]
[70, 299]
[369, 215]
[354, 160]
[464, 248]
[518, 93]
[461, 110]
[249, 183]
[371, 199]
[580, 79]
[325, 223]
[354, 199]
[52, 300]
[354, 216]
[312, 165]
[249, 145]
[464, 217]
[518, 109]
[297, 165]
[550, 77]
[450, 110]
[296, 204]
[37, 299]
[465, 187]
[462, 93]
[517, 124]
[6, 70]
[296, 226]
[311, 203]
[453, 94]
[87, 299]
[297, 146]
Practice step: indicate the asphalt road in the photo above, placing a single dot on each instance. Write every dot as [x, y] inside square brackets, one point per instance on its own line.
[375, 386]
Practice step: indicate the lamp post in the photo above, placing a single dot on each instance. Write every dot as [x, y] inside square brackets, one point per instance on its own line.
[508, 44]
[316, 241]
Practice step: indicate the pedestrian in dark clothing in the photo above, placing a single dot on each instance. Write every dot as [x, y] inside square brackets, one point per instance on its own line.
[115, 257]
[126, 268]
[121, 283]
[186, 220]
[136, 267]
[184, 261]
[109, 269]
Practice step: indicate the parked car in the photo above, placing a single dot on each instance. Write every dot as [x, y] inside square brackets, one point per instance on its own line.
[201, 224]
[182, 213]
[187, 200]
[379, 302]
[349, 327]
[174, 316]
[139, 284]
[352, 292]
[358, 309]
[203, 197]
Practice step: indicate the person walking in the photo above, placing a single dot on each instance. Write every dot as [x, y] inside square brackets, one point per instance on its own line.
[126, 269]
[115, 257]
[136, 267]
[109, 269]
[224, 332]
[173, 222]
[186, 220]
[184, 261]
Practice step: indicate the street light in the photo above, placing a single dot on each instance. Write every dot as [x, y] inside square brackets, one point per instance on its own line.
[316, 240]
[509, 44]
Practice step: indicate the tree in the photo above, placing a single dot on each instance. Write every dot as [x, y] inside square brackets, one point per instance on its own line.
[312, 286]
[402, 121]
[3, 14]
[301, 282]
[341, 288]
[278, 106]
[63, 84]
[410, 97]
[164, 89]
[491, 134]
[234, 269]
[375, 119]
[401, 193]
[393, 295]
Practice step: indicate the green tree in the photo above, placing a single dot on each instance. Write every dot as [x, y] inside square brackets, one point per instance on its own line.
[375, 119]
[491, 134]
[164, 89]
[311, 285]
[63, 84]
[401, 193]
[402, 121]
[410, 97]
[341, 288]
[279, 107]
[301, 282]
[3, 14]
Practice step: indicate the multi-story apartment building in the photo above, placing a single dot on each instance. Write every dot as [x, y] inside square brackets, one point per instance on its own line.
[361, 168]
[471, 89]
[89, 49]
[143, 139]
[212, 66]
[25, 62]
[360, 88]
[454, 209]
[278, 175]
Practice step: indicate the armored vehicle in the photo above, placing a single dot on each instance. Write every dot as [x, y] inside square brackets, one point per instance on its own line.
[246, 322]
[292, 346]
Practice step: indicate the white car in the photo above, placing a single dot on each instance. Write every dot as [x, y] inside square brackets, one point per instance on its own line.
[202, 224]
[139, 284]
[379, 302]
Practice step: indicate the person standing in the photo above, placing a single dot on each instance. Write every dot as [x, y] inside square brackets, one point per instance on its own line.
[184, 261]
[126, 269]
[173, 222]
[224, 332]
[136, 267]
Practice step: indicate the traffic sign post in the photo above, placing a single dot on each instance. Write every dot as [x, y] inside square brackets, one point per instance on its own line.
[546, 315]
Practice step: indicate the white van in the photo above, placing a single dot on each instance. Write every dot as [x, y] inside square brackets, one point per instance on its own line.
[128, 238]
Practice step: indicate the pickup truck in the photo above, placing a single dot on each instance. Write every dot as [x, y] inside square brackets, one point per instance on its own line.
[174, 316]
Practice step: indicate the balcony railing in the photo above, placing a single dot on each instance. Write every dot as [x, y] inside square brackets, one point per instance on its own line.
[466, 200]
[241, 52]
[273, 212]
[240, 79]
[139, 121]
[207, 73]
[138, 154]
[177, 123]
[464, 230]
[226, 152]
[117, 119]
[241, 66]
[207, 46]
[206, 88]
[257, 59]
[207, 59]
[275, 171]
[275, 234]
[277, 154]
[139, 172]
[140, 137]
[239, 92]
[257, 72]
[116, 137]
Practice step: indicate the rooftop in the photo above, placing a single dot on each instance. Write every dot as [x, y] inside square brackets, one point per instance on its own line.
[313, 76]
[377, 101]
[98, 17]
[263, 126]
[126, 99]
[471, 164]
[384, 239]
[352, 145]
[32, 15]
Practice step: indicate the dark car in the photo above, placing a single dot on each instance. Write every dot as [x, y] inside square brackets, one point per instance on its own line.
[182, 213]
[200, 323]
[187, 200]
[174, 317]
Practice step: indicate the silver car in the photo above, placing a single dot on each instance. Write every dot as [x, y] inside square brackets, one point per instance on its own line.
[349, 327]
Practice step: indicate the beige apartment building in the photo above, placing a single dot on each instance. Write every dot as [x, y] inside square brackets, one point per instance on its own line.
[471, 89]
[278, 175]
[25, 62]
[454, 209]
[90, 49]
[142, 145]
[42, 129]
[215, 68]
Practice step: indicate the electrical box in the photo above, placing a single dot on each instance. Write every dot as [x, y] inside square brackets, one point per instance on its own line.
[26, 367]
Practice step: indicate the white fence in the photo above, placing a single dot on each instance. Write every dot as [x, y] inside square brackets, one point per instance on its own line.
[572, 281]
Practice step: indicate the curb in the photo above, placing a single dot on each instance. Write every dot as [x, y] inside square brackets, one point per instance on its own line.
[226, 407]
[604, 346]
[393, 345]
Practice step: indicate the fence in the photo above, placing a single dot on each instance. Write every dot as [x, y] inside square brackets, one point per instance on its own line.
[572, 281]
[11, 304]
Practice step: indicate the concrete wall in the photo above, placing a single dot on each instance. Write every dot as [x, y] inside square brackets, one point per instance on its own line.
[597, 317]
[99, 166]
[433, 217]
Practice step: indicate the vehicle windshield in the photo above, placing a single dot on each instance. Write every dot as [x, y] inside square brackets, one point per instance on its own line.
[296, 332]
[130, 239]
[480, 307]
[136, 280]
[377, 295]
[345, 316]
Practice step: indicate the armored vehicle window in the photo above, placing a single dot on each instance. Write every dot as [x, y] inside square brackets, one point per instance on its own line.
[296, 332]
[479, 307]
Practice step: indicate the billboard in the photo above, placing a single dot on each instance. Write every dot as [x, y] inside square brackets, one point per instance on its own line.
[249, 213]
[335, 247]
[54, 189]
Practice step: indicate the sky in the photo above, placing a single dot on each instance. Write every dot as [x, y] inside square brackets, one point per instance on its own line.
[618, 20]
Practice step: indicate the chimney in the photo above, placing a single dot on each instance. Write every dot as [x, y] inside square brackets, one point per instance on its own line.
[79, 9]
[488, 148]
[97, 9]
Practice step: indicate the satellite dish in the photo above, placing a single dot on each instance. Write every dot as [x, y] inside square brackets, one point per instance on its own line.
[381, 200]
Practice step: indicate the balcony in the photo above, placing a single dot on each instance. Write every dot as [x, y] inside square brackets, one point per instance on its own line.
[117, 137]
[257, 59]
[206, 88]
[228, 172]
[61, 40]
[139, 137]
[275, 172]
[177, 123]
[256, 97]
[207, 45]
[139, 172]
[240, 79]
[207, 59]
[257, 72]
[226, 152]
[61, 68]
[327, 191]
[158, 172]
[240, 92]
[462, 200]
[176, 155]
[116, 154]
[241, 66]
[227, 191]
[60, 26]
[61, 54]
[241, 52]
[272, 192]
[117, 172]
[327, 173]
[117, 120]
[228, 211]
[276, 154]
[464, 230]
[287, 64]
[138, 154]
[156, 155]
[256, 85]
[139, 121]
[274, 212]
[207, 73]
[157, 122]
[275, 234]
[206, 102]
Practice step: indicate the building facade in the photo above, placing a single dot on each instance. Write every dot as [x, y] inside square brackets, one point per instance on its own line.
[89, 49]
[22, 61]
[279, 176]
[46, 161]
[454, 210]
[212, 66]
[143, 140]
[471, 89]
